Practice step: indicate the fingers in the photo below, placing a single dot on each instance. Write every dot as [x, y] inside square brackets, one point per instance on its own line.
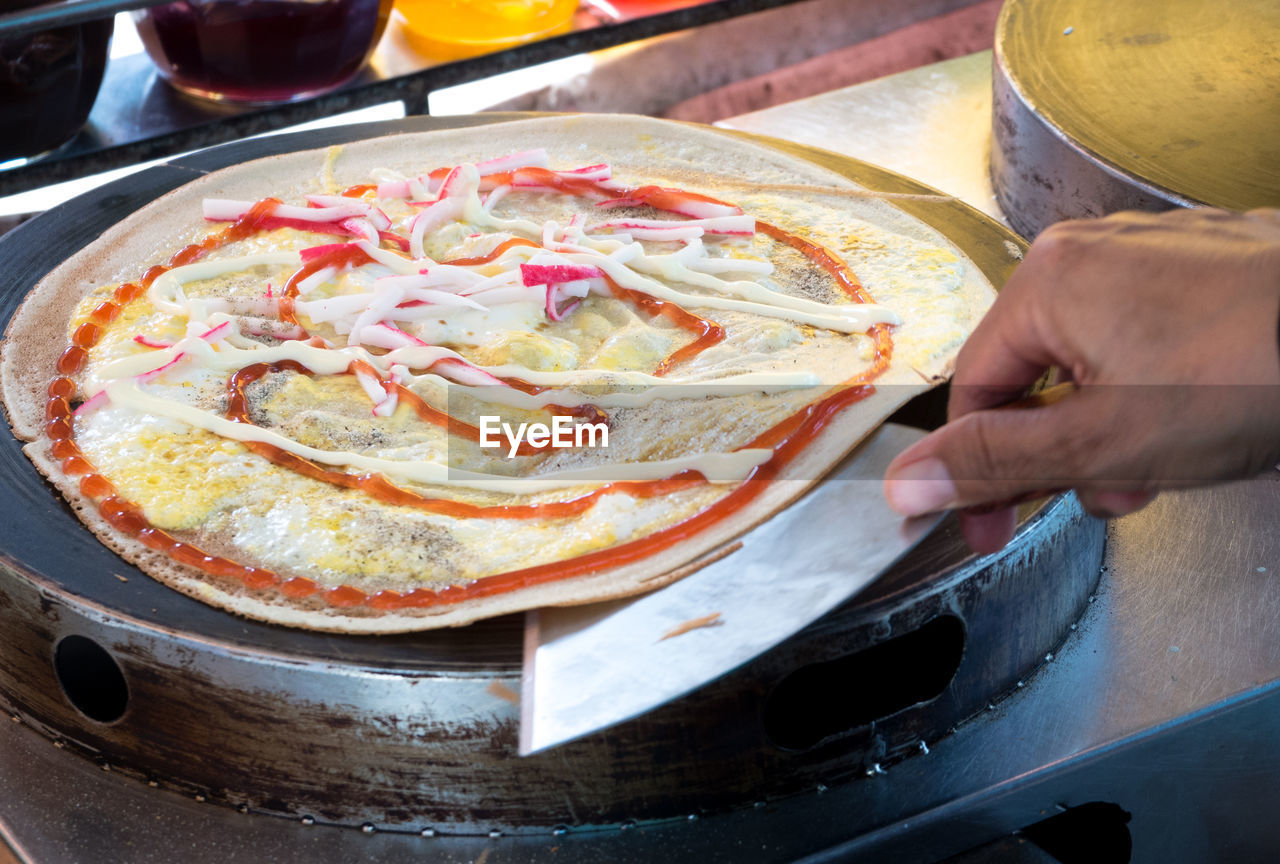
[1000, 360]
[1014, 343]
[1109, 504]
[1004, 455]
[1117, 444]
[920, 485]
[988, 531]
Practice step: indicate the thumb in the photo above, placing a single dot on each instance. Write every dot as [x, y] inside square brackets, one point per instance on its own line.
[1004, 455]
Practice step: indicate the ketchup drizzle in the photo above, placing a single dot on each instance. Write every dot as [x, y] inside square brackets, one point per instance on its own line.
[346, 255]
[494, 255]
[706, 333]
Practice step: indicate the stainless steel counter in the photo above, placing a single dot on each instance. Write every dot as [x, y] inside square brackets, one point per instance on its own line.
[137, 117]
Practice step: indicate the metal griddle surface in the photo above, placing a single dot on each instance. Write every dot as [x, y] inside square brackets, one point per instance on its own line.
[1181, 97]
[42, 539]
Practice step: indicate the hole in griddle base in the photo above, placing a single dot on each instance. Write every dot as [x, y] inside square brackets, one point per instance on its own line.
[91, 680]
[818, 701]
[1093, 833]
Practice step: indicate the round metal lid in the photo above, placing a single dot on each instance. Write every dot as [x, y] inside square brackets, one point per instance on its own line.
[1182, 97]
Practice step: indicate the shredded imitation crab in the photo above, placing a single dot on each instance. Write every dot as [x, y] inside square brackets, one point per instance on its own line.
[555, 266]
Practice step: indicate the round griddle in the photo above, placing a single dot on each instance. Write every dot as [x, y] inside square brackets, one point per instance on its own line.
[419, 729]
[1103, 105]
[43, 534]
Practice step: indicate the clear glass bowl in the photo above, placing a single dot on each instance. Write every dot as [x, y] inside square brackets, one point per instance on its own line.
[48, 81]
[261, 51]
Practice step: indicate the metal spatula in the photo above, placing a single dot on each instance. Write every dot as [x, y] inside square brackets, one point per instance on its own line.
[587, 668]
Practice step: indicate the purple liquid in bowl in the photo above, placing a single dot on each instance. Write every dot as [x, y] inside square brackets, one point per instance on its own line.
[261, 50]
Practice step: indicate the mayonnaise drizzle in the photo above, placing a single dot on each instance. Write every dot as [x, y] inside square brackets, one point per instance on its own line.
[334, 361]
[166, 292]
[716, 467]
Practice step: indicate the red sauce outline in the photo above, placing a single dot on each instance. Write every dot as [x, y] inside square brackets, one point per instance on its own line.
[787, 438]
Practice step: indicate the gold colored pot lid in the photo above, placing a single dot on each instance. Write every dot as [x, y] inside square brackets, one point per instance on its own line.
[1181, 96]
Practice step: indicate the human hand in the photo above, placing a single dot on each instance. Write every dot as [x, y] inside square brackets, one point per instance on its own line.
[1167, 323]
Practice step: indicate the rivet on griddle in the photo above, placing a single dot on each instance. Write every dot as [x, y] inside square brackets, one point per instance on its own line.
[1073, 626]
[1019, 684]
[990, 707]
[105, 767]
[368, 828]
[560, 830]
[876, 769]
[428, 832]
[243, 808]
[200, 798]
[15, 718]
[1048, 658]
[759, 805]
[154, 784]
[59, 744]
[693, 817]
[628, 825]
[495, 833]
[1092, 597]
[308, 820]
[924, 748]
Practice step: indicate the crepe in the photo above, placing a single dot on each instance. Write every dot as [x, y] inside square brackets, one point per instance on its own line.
[154, 393]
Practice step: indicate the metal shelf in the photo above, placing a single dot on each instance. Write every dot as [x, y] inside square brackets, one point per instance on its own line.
[138, 117]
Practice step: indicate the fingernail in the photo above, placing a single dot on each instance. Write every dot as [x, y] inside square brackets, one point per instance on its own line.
[920, 487]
